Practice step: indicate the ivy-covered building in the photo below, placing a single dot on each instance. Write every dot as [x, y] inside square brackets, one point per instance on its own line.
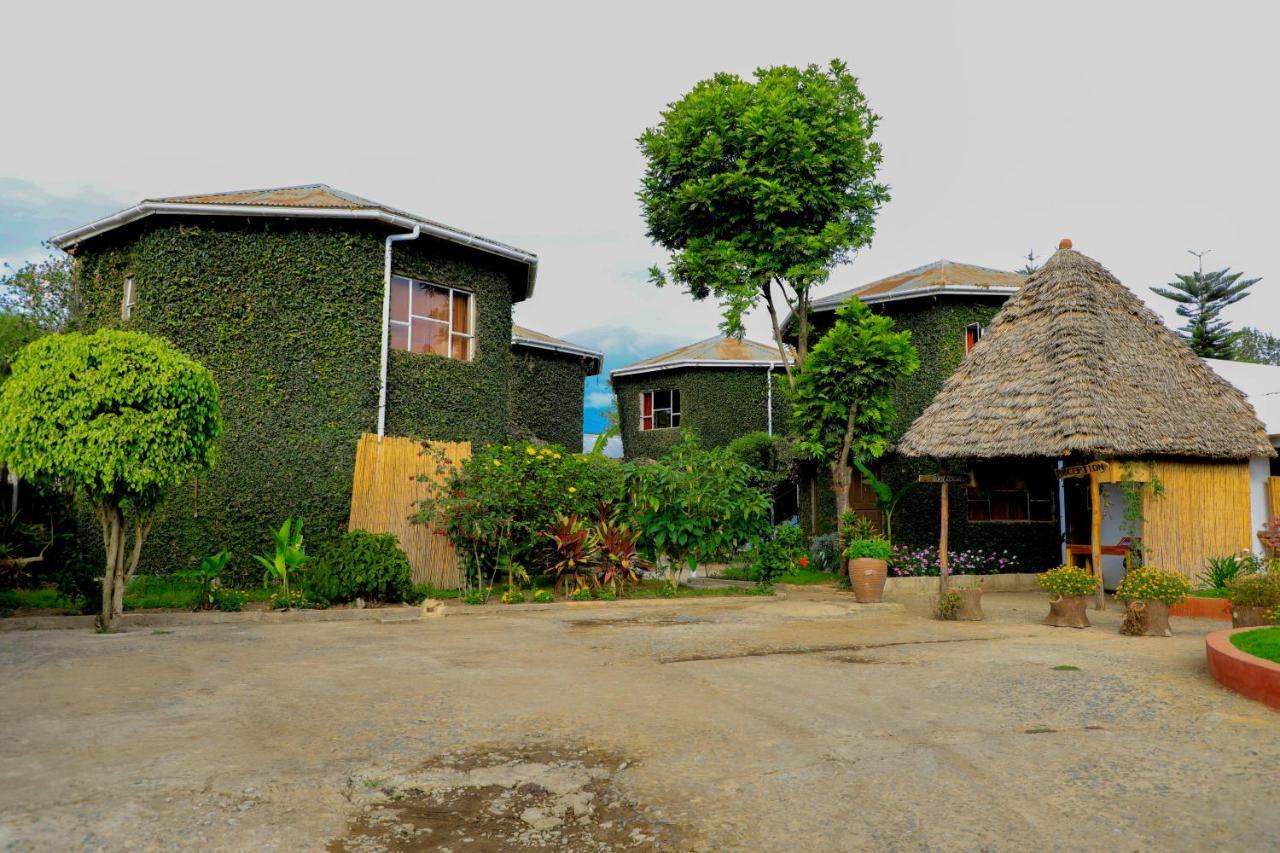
[720, 388]
[946, 306]
[323, 316]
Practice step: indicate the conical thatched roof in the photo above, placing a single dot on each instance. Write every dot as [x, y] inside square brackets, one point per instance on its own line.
[1075, 363]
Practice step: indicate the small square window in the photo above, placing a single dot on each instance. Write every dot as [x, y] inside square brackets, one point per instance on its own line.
[427, 318]
[660, 409]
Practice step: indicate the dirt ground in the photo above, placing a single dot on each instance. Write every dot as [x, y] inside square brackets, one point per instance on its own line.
[748, 724]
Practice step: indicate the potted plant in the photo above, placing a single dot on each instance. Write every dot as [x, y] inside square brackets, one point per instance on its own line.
[1069, 588]
[1252, 598]
[868, 567]
[963, 603]
[1148, 592]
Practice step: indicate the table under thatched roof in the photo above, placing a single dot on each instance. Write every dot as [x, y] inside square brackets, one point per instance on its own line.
[1074, 363]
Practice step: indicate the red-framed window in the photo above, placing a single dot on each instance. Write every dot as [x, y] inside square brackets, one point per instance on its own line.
[659, 409]
[972, 334]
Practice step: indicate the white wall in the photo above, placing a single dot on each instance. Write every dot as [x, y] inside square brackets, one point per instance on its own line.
[1259, 473]
[1112, 532]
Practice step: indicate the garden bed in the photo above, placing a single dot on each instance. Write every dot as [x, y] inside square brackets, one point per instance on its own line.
[1204, 604]
[1234, 661]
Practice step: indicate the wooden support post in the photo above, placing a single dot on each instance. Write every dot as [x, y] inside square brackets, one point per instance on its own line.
[944, 559]
[1095, 535]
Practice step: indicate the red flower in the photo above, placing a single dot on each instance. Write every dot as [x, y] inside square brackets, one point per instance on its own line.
[804, 561]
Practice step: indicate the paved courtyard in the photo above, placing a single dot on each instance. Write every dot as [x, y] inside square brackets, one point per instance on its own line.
[749, 724]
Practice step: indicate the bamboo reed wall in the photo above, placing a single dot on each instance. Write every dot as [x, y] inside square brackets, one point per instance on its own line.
[384, 493]
[1273, 497]
[1204, 512]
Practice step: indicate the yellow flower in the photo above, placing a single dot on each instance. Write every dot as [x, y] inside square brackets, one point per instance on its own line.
[573, 489]
[497, 463]
[555, 455]
[530, 450]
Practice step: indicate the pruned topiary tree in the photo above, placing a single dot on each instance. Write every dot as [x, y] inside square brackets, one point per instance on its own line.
[118, 417]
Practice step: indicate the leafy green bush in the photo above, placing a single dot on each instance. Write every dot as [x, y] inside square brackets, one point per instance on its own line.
[1067, 581]
[581, 594]
[206, 576]
[361, 565]
[500, 501]
[1151, 583]
[869, 548]
[1262, 590]
[824, 552]
[543, 596]
[228, 600]
[778, 554]
[513, 596]
[948, 604]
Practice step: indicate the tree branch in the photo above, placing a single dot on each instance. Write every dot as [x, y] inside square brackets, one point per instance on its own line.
[777, 333]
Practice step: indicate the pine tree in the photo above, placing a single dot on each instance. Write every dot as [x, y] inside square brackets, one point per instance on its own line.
[1030, 266]
[1201, 297]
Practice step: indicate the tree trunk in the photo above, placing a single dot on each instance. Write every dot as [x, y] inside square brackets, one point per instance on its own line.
[777, 335]
[112, 521]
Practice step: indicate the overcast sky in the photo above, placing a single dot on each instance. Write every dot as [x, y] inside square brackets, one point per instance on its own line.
[1140, 130]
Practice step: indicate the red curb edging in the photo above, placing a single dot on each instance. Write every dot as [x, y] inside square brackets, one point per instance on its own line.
[1195, 607]
[1254, 677]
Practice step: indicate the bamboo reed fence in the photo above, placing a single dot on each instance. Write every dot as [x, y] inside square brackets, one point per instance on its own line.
[385, 491]
[1273, 497]
[1204, 512]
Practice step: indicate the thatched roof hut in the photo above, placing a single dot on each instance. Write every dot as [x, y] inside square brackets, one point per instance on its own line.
[1076, 365]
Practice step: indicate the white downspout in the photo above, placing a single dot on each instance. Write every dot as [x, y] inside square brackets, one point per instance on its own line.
[386, 325]
[768, 380]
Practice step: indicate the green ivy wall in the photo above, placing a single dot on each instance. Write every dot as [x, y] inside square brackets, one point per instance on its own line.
[719, 403]
[287, 316]
[937, 331]
[546, 396]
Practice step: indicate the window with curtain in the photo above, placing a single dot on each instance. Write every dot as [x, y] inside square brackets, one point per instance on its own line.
[429, 318]
[1013, 492]
[660, 409]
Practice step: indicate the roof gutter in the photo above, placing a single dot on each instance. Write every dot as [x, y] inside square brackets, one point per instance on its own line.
[68, 240]
[676, 365]
[581, 352]
[386, 325]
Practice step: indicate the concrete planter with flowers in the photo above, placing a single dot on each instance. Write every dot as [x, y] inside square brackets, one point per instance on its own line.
[1148, 592]
[1069, 588]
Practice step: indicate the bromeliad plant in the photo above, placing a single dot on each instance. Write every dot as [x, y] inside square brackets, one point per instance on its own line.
[287, 559]
[207, 575]
[619, 559]
[1151, 583]
[1067, 582]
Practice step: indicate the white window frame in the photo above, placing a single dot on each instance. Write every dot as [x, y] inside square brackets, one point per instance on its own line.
[129, 299]
[980, 331]
[470, 337]
[673, 412]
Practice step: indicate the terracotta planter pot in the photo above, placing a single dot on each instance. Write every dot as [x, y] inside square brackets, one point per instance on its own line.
[1245, 616]
[970, 605]
[1068, 612]
[867, 577]
[1146, 619]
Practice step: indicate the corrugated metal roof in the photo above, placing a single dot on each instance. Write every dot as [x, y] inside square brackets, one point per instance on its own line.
[720, 351]
[938, 277]
[306, 195]
[522, 336]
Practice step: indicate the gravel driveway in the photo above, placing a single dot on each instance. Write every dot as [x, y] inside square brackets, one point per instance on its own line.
[750, 724]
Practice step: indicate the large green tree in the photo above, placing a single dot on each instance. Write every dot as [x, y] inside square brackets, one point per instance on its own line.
[42, 291]
[1201, 298]
[118, 416]
[843, 402]
[1257, 346]
[759, 188]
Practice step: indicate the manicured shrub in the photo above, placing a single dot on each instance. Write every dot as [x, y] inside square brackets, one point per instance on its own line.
[1150, 583]
[869, 548]
[1067, 582]
[361, 565]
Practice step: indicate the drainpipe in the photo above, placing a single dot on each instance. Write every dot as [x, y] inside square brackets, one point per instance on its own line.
[386, 325]
[1062, 515]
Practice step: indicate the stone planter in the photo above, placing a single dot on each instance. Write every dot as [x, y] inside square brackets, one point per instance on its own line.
[867, 577]
[1248, 616]
[1068, 612]
[970, 605]
[1146, 619]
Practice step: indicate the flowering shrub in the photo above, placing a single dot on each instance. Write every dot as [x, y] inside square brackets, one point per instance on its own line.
[1150, 583]
[1067, 581]
[1260, 590]
[779, 554]
[908, 561]
[499, 502]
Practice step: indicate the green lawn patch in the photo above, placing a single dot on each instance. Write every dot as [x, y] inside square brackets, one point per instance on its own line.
[799, 577]
[44, 598]
[1262, 643]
